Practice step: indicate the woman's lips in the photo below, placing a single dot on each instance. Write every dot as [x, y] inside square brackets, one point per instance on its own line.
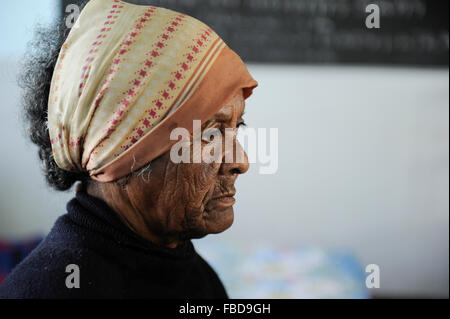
[224, 201]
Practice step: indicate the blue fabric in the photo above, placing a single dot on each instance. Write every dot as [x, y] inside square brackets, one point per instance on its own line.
[12, 253]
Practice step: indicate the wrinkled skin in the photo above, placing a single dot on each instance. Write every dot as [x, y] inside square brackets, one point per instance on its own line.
[180, 201]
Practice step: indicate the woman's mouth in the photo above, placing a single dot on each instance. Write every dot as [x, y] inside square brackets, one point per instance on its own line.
[224, 201]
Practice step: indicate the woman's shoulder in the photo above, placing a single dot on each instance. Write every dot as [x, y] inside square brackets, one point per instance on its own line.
[60, 267]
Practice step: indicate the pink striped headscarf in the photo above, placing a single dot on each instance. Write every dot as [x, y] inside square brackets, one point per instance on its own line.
[126, 76]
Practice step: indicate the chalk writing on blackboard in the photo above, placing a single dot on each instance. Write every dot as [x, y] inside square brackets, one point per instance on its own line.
[412, 32]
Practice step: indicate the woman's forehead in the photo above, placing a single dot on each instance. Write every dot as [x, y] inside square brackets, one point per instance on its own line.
[233, 109]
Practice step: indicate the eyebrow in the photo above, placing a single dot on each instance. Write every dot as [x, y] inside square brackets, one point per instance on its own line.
[225, 118]
[222, 118]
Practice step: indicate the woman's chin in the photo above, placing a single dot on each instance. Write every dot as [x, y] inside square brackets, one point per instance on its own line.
[212, 221]
[218, 220]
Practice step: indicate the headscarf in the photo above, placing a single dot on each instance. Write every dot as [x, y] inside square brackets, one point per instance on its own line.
[126, 76]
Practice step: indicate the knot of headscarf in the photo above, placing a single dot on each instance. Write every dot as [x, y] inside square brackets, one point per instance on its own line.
[126, 76]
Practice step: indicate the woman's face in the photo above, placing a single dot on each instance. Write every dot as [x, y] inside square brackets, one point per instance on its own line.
[185, 200]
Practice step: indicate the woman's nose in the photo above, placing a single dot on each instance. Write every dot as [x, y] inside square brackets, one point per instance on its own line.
[239, 164]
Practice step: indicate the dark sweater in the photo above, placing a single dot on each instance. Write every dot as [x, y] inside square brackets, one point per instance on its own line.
[113, 262]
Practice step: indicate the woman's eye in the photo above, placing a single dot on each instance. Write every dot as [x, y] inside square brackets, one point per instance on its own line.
[211, 134]
[241, 124]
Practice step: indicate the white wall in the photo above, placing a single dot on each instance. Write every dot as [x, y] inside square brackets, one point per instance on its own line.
[17, 20]
[363, 166]
[23, 188]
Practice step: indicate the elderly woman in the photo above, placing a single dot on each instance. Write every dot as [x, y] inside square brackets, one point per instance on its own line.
[102, 109]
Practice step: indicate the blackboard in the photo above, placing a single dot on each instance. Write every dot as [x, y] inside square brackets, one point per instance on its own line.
[412, 32]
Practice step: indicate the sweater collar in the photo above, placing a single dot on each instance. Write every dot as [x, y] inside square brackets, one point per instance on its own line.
[96, 216]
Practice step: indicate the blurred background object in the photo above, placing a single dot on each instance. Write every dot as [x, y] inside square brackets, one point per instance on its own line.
[363, 120]
[267, 269]
[12, 253]
[412, 32]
